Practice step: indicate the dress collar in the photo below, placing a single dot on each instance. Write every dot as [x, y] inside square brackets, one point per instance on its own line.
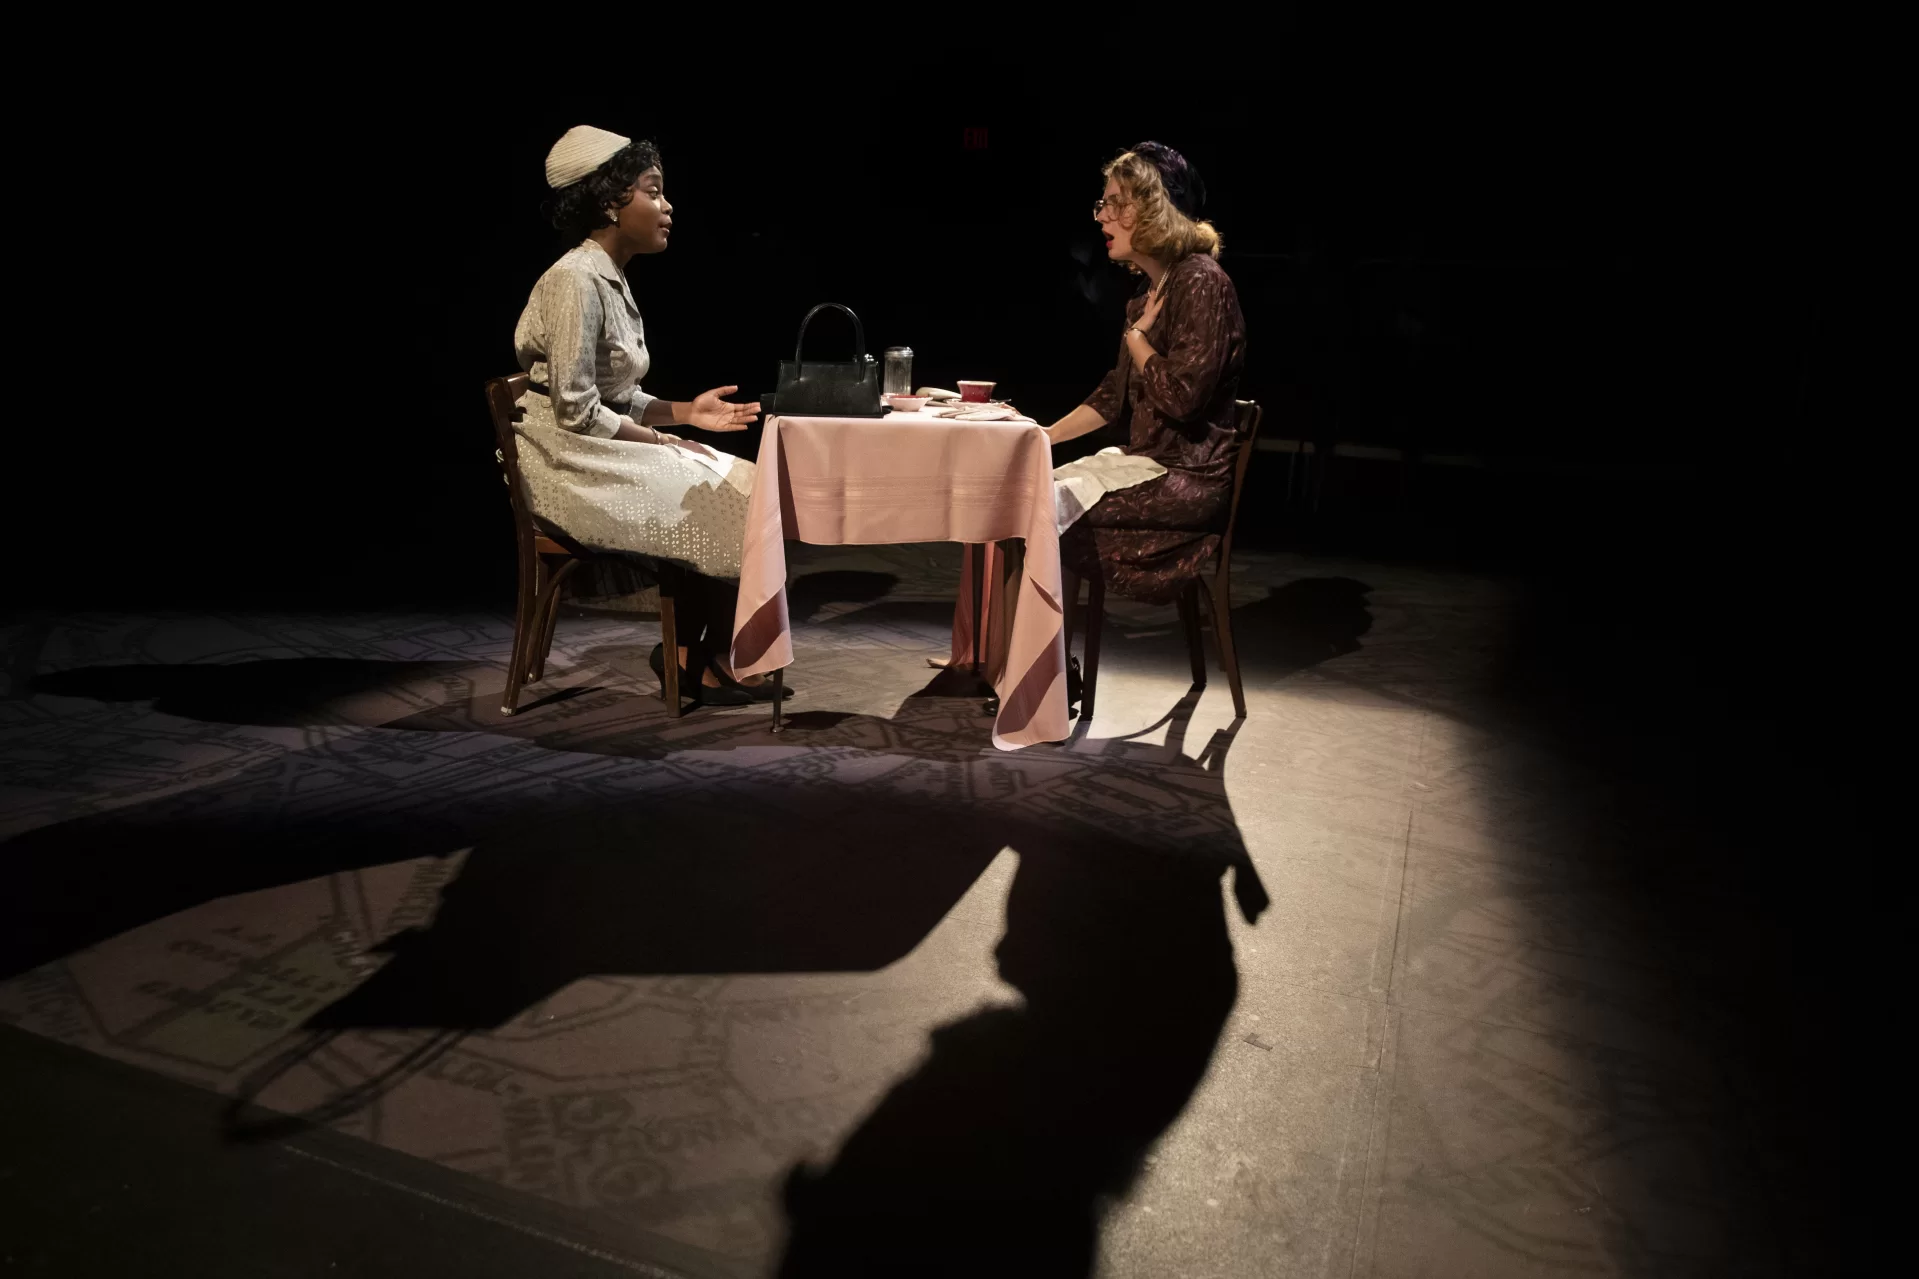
[597, 259]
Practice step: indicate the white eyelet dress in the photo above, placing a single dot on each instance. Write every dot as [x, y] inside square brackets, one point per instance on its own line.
[582, 340]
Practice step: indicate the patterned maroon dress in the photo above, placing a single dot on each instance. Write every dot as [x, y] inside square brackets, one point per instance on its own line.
[1148, 541]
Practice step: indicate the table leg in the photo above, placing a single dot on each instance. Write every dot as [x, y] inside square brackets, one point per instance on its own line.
[779, 695]
[1011, 556]
[979, 600]
[1012, 563]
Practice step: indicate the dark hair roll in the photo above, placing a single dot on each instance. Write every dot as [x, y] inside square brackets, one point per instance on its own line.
[1184, 187]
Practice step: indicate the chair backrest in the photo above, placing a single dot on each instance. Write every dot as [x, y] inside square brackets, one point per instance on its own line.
[502, 402]
[1246, 419]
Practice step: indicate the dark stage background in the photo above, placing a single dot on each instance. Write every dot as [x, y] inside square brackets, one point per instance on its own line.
[1584, 259]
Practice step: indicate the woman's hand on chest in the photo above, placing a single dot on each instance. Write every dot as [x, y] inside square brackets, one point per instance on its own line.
[1149, 313]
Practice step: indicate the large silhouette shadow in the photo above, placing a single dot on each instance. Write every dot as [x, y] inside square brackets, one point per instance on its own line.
[1003, 1147]
[781, 878]
[997, 1155]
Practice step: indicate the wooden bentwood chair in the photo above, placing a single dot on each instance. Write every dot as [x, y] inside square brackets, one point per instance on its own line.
[1216, 588]
[547, 558]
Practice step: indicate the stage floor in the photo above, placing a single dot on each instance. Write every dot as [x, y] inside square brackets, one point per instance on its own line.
[1353, 987]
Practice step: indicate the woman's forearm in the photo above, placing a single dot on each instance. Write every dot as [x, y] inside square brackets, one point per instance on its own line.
[634, 433]
[664, 413]
[639, 433]
[656, 414]
[1080, 421]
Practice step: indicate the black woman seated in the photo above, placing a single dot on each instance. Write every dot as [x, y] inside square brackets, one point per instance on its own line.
[597, 463]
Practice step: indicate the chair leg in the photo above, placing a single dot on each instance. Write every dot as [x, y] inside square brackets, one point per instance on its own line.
[549, 616]
[1221, 594]
[1095, 623]
[1195, 647]
[670, 653]
[523, 609]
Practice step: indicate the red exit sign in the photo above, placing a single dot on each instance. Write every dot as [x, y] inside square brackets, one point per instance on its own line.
[973, 139]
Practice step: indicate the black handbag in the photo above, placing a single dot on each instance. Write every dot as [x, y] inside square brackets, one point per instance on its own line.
[822, 388]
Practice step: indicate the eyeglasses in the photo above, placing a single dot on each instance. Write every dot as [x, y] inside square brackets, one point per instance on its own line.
[1118, 206]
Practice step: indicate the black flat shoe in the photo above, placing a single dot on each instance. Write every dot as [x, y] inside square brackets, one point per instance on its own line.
[701, 694]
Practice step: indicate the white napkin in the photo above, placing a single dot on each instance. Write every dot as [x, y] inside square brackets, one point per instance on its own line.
[719, 463]
[1078, 485]
[977, 412]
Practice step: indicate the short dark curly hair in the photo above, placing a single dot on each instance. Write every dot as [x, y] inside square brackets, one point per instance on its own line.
[579, 209]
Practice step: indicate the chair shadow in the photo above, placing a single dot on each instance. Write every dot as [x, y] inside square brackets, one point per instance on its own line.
[1301, 624]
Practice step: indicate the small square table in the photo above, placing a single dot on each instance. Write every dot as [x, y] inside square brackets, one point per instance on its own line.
[911, 477]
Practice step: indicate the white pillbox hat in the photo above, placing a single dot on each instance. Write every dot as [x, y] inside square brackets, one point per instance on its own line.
[579, 151]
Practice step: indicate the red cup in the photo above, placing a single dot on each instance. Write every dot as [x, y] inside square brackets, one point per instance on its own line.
[976, 392]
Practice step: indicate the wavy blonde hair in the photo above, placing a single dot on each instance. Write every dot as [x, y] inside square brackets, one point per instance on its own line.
[1160, 230]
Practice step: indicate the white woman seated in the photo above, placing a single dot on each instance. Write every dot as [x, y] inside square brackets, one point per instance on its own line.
[1172, 388]
[598, 463]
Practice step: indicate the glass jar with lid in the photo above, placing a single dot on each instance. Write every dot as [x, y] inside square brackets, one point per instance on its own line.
[898, 377]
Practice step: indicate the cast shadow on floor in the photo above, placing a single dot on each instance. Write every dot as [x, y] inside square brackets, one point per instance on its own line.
[302, 692]
[1002, 1147]
[1296, 626]
[998, 1153]
[1022, 1121]
[438, 695]
[1000, 1150]
[1300, 624]
[94, 877]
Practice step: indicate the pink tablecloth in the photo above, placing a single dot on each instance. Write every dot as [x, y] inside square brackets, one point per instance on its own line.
[908, 478]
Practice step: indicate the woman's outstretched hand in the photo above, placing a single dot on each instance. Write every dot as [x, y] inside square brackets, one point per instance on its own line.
[710, 413]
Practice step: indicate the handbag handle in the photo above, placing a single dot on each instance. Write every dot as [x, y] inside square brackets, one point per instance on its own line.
[859, 339]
